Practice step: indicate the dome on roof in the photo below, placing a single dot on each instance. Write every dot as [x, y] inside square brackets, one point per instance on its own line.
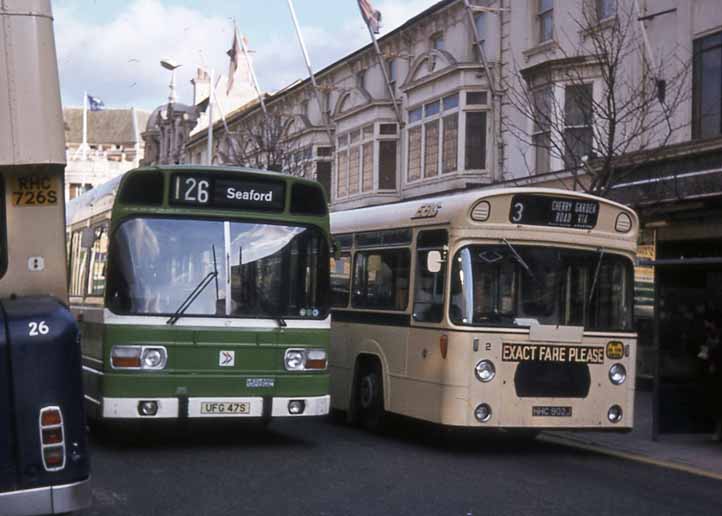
[161, 112]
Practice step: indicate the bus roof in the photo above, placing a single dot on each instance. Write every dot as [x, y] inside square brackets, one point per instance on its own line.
[453, 208]
[100, 198]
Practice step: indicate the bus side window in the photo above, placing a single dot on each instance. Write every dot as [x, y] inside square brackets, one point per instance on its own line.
[381, 279]
[340, 280]
[79, 262]
[429, 286]
[98, 261]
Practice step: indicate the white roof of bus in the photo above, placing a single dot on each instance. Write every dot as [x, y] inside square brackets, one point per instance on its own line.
[97, 200]
[400, 214]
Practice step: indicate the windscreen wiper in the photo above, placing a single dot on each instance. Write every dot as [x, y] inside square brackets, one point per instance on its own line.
[518, 258]
[596, 276]
[188, 301]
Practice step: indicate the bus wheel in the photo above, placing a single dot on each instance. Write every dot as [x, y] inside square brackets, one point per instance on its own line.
[370, 400]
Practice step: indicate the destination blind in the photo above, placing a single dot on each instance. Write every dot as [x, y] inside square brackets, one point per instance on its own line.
[544, 210]
[214, 191]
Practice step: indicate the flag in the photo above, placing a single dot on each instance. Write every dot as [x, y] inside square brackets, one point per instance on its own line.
[235, 54]
[95, 104]
[371, 16]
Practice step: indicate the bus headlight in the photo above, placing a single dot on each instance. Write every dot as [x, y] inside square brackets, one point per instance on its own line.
[485, 371]
[154, 358]
[617, 374]
[305, 359]
[614, 414]
[482, 413]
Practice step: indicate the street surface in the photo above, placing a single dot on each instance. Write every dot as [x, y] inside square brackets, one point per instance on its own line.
[318, 467]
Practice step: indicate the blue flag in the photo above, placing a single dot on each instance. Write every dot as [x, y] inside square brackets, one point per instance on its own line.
[95, 104]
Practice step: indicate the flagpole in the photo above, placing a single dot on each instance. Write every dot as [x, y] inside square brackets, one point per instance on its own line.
[250, 68]
[210, 122]
[382, 64]
[310, 71]
[84, 145]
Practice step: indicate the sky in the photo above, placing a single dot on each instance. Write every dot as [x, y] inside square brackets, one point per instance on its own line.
[112, 48]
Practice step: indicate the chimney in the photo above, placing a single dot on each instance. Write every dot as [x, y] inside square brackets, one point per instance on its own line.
[201, 86]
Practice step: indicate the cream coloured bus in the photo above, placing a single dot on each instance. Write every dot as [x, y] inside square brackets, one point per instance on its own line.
[508, 308]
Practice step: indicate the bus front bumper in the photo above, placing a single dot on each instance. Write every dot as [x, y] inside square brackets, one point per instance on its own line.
[46, 500]
[208, 407]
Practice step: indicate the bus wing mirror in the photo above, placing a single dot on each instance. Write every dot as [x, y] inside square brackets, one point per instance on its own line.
[434, 261]
[87, 238]
[336, 249]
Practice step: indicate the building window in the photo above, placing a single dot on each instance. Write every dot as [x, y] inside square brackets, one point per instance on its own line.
[475, 145]
[476, 98]
[480, 25]
[367, 167]
[450, 141]
[361, 79]
[391, 68]
[545, 20]
[414, 168]
[437, 41]
[354, 161]
[707, 87]
[323, 176]
[431, 148]
[323, 151]
[437, 126]
[387, 164]
[577, 123]
[359, 148]
[606, 9]
[342, 167]
[541, 135]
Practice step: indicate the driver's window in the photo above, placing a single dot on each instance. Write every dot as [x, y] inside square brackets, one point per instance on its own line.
[429, 286]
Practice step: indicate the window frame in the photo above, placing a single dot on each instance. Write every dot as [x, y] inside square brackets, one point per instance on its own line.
[698, 51]
[575, 128]
[365, 253]
[423, 122]
[540, 16]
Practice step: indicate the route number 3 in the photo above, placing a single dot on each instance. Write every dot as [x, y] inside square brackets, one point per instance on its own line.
[38, 328]
[518, 212]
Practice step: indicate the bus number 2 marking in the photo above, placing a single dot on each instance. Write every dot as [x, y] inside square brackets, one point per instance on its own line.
[194, 190]
[38, 328]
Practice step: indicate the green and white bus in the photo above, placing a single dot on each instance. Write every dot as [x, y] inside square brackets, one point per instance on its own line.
[202, 292]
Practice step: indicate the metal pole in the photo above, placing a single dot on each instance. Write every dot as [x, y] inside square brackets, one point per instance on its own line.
[657, 356]
[210, 122]
[310, 70]
[382, 64]
[84, 145]
[252, 72]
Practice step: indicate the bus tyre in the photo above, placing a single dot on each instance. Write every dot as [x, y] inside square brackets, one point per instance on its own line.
[370, 400]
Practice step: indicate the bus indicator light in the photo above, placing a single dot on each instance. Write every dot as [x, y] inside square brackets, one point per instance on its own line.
[444, 345]
[615, 350]
[50, 417]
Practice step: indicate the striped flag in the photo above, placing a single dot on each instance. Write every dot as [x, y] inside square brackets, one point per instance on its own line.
[371, 16]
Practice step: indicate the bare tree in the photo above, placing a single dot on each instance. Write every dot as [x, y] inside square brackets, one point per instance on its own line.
[264, 142]
[591, 129]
